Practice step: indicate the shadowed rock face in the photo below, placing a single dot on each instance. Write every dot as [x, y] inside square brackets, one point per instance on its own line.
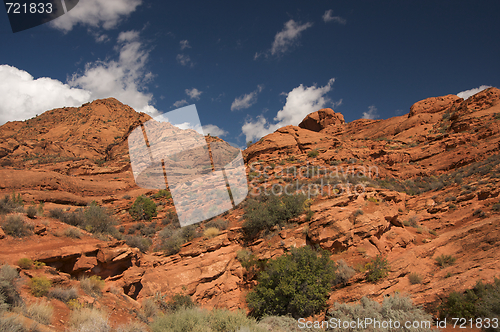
[431, 186]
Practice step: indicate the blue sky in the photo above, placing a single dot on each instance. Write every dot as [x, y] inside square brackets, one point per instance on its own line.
[251, 67]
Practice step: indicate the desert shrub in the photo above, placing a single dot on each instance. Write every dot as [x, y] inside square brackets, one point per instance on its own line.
[395, 307]
[270, 211]
[179, 301]
[15, 226]
[313, 153]
[196, 319]
[8, 205]
[56, 213]
[172, 244]
[358, 212]
[73, 233]
[11, 324]
[98, 220]
[445, 260]
[92, 285]
[149, 307]
[283, 324]
[31, 211]
[378, 268]
[39, 312]
[149, 230]
[139, 242]
[344, 272]
[63, 294]
[39, 286]
[415, 278]
[297, 283]
[496, 207]
[211, 232]
[143, 209]
[25, 263]
[132, 327]
[218, 223]
[479, 213]
[8, 289]
[162, 193]
[89, 320]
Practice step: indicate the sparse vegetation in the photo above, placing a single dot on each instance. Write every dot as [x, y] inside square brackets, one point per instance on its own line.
[211, 232]
[40, 312]
[162, 193]
[219, 223]
[313, 153]
[15, 225]
[89, 319]
[25, 263]
[139, 242]
[396, 307]
[270, 211]
[414, 278]
[378, 268]
[73, 233]
[297, 283]
[445, 260]
[9, 296]
[92, 285]
[63, 294]
[343, 273]
[171, 238]
[32, 211]
[143, 209]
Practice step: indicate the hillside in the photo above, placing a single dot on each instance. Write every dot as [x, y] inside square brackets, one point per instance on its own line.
[409, 188]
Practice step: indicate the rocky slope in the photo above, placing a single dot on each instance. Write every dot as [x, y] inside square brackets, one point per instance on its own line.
[410, 188]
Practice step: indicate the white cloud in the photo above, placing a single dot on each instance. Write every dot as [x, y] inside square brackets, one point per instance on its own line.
[214, 130]
[371, 114]
[247, 100]
[327, 17]
[23, 96]
[299, 102]
[285, 38]
[99, 38]
[469, 93]
[193, 93]
[180, 103]
[124, 79]
[105, 14]
[184, 44]
[184, 60]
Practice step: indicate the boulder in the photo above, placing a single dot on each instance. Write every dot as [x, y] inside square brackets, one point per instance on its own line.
[434, 104]
[321, 119]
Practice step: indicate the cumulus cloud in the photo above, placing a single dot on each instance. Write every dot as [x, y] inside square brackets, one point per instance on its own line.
[184, 60]
[247, 100]
[299, 102]
[105, 14]
[184, 44]
[214, 130]
[124, 79]
[327, 17]
[24, 97]
[193, 93]
[371, 114]
[180, 103]
[469, 93]
[286, 38]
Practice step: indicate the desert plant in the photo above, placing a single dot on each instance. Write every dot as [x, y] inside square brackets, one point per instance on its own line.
[313, 153]
[143, 209]
[40, 312]
[25, 263]
[343, 273]
[396, 307]
[63, 294]
[39, 286]
[297, 283]
[415, 278]
[219, 223]
[162, 193]
[139, 242]
[15, 226]
[445, 260]
[8, 290]
[32, 211]
[73, 233]
[86, 319]
[149, 307]
[378, 268]
[92, 285]
[11, 324]
[211, 232]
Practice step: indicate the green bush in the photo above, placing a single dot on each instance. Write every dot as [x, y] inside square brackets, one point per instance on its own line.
[92, 285]
[93, 218]
[15, 226]
[25, 263]
[162, 193]
[445, 260]
[39, 286]
[395, 308]
[297, 283]
[378, 268]
[143, 209]
[313, 153]
[269, 211]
